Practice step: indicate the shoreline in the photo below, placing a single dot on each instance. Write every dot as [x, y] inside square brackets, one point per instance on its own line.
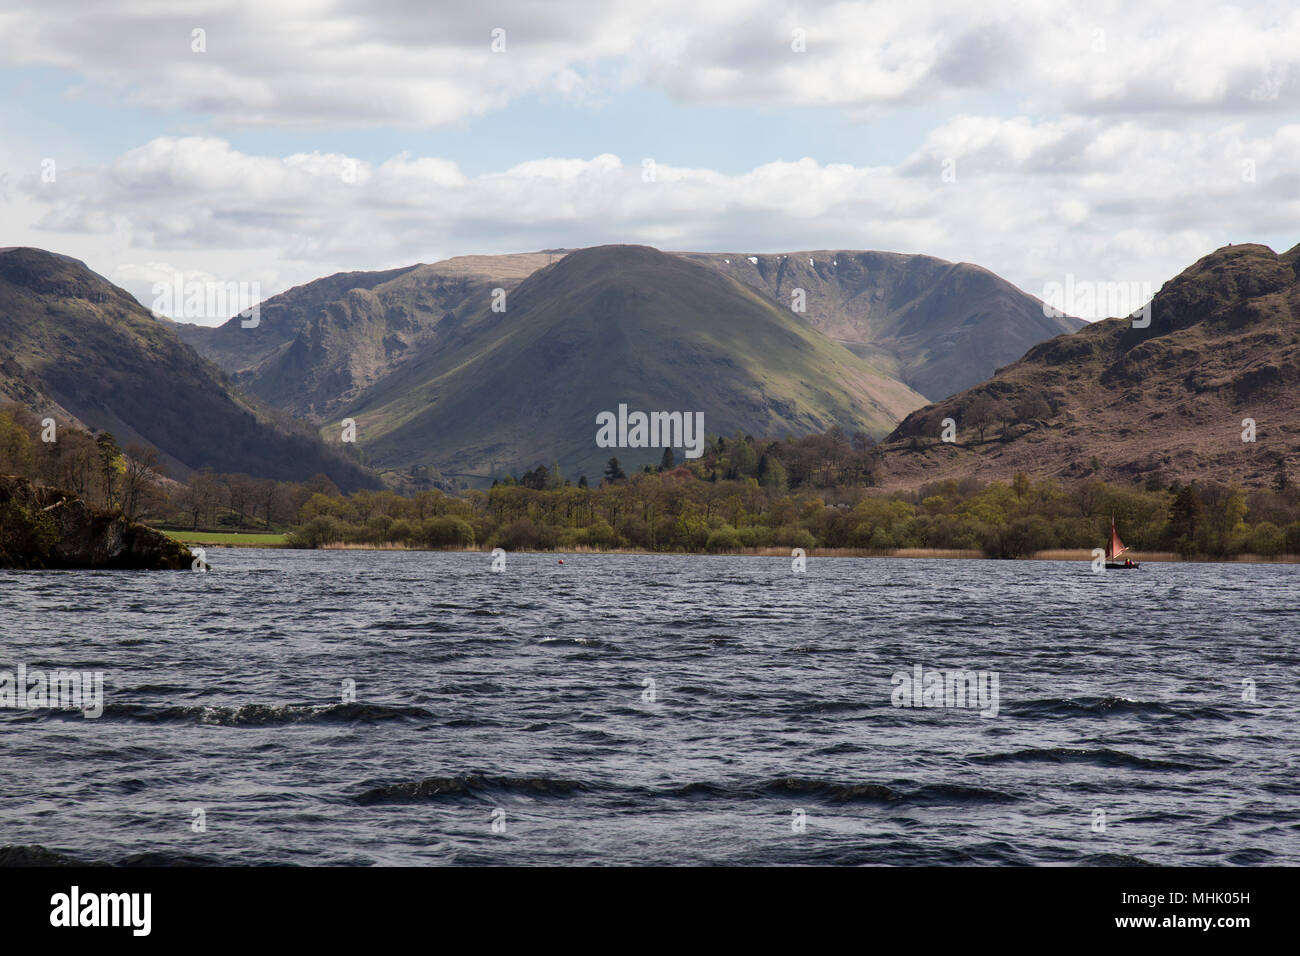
[1081, 555]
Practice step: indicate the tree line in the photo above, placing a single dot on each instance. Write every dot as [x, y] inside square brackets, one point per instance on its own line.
[814, 492]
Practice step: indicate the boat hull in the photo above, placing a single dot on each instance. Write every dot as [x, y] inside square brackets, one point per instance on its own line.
[1120, 566]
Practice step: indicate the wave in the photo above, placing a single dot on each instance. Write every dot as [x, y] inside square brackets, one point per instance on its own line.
[1106, 707]
[439, 788]
[433, 627]
[1073, 706]
[1101, 757]
[926, 794]
[834, 706]
[37, 855]
[1114, 859]
[175, 858]
[478, 785]
[262, 715]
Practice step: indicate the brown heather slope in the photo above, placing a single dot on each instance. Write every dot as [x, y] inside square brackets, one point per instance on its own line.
[1166, 401]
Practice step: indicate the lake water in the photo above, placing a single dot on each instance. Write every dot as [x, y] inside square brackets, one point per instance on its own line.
[627, 709]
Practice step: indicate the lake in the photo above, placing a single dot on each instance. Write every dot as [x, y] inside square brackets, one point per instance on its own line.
[374, 708]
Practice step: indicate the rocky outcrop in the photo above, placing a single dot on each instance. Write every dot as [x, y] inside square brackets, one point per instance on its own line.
[44, 527]
[1207, 390]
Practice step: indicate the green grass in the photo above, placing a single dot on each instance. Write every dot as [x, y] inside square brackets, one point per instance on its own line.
[229, 538]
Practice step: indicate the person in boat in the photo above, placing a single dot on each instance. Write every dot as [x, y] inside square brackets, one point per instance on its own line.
[1128, 562]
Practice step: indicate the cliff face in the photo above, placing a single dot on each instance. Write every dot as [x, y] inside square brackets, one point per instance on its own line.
[46, 528]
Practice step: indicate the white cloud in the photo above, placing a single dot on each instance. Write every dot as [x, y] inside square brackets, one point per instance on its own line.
[1031, 200]
[398, 63]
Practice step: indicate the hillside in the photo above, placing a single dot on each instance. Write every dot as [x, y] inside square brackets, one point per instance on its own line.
[611, 325]
[938, 326]
[351, 343]
[234, 347]
[74, 345]
[317, 347]
[1117, 402]
[935, 325]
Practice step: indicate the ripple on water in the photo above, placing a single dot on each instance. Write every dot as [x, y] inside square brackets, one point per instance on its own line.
[634, 708]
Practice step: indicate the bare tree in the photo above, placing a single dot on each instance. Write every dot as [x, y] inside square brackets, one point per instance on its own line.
[980, 414]
[240, 490]
[143, 469]
[271, 497]
[201, 496]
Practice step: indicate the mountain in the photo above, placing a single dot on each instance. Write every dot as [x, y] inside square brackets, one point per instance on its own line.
[74, 345]
[233, 347]
[1122, 403]
[317, 347]
[607, 326]
[347, 345]
[938, 326]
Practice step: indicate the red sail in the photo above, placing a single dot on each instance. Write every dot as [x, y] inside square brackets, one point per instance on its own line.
[1116, 547]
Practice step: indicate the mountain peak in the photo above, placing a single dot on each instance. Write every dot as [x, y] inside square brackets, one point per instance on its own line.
[74, 345]
[1119, 401]
[1236, 286]
[29, 262]
[45, 273]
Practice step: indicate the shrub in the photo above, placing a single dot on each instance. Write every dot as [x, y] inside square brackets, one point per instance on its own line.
[318, 531]
[446, 532]
[1021, 537]
[725, 538]
[523, 535]
[793, 536]
[1293, 538]
[377, 528]
[1266, 539]
[598, 535]
[23, 533]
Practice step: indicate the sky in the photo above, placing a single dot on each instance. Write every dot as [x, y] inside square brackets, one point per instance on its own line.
[273, 142]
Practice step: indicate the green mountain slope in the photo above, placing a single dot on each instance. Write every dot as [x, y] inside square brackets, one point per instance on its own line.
[611, 325]
[318, 346]
[935, 325]
[944, 326]
[73, 344]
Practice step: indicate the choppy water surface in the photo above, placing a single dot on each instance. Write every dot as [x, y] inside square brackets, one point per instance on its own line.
[521, 699]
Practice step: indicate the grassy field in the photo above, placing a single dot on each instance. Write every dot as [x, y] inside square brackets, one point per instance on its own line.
[228, 539]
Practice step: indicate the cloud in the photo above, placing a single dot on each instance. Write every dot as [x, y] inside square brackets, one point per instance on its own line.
[1031, 200]
[397, 63]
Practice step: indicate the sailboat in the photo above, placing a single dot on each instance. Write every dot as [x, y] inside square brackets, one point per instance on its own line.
[1114, 548]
